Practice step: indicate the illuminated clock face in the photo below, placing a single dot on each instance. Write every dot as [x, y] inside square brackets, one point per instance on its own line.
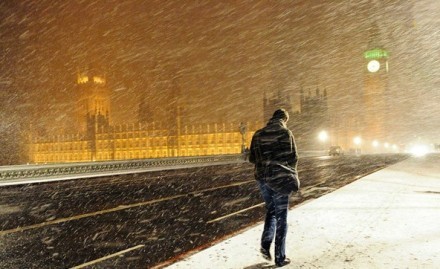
[373, 66]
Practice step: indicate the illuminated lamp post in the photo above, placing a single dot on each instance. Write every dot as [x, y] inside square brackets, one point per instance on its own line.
[243, 130]
[357, 141]
[323, 137]
[375, 144]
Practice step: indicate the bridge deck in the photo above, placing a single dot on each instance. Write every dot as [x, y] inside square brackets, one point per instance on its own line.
[388, 219]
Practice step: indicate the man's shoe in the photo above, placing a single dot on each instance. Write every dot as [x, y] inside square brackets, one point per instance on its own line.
[283, 263]
[266, 254]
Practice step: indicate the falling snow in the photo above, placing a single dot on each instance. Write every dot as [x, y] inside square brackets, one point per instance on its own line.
[222, 59]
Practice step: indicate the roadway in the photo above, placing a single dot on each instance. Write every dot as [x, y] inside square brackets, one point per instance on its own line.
[145, 219]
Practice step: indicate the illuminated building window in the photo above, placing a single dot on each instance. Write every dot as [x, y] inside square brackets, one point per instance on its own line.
[98, 80]
[82, 79]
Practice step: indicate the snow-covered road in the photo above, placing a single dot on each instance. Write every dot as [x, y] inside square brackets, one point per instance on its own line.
[388, 219]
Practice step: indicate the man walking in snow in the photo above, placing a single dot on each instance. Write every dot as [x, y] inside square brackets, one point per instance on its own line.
[274, 144]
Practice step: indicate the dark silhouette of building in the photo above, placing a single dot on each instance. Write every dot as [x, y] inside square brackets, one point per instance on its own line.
[306, 123]
[280, 100]
[312, 118]
[145, 113]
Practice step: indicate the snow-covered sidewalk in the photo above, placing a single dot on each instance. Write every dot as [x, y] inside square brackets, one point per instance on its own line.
[388, 219]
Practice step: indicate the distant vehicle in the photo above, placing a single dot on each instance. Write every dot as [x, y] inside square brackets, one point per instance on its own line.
[335, 151]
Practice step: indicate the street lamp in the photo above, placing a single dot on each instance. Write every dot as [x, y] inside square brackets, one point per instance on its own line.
[375, 143]
[357, 141]
[243, 130]
[323, 137]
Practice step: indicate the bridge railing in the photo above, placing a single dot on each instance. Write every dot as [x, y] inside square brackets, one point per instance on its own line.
[23, 172]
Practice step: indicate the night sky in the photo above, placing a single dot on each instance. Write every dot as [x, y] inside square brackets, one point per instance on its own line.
[223, 56]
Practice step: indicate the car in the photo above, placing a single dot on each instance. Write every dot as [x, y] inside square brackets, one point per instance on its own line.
[335, 151]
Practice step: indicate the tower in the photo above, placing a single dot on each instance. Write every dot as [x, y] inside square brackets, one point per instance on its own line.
[145, 114]
[93, 103]
[311, 119]
[278, 100]
[175, 113]
[375, 88]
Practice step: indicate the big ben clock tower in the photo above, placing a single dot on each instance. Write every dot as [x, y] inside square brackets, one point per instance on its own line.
[374, 94]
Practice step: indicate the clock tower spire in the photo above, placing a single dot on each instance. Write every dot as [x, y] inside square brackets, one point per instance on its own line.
[375, 88]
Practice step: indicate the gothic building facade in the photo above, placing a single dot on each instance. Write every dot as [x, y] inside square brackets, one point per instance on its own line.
[98, 139]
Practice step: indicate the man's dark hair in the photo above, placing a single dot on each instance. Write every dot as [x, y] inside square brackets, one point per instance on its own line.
[280, 114]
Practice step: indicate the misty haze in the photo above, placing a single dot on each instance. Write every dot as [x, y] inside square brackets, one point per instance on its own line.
[126, 129]
[82, 81]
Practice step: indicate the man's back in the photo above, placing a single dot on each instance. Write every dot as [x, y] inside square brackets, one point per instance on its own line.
[273, 143]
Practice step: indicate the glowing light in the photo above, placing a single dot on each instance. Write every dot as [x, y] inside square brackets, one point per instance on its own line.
[373, 66]
[82, 79]
[386, 145]
[98, 80]
[394, 147]
[419, 150]
[375, 143]
[357, 140]
[323, 136]
[376, 54]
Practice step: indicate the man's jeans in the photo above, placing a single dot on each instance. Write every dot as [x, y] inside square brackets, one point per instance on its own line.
[277, 206]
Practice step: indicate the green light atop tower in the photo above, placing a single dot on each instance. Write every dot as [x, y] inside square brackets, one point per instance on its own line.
[376, 54]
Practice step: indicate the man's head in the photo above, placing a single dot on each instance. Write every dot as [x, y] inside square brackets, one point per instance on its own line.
[281, 114]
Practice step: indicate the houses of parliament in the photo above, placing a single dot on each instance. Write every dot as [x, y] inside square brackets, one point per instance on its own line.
[97, 139]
